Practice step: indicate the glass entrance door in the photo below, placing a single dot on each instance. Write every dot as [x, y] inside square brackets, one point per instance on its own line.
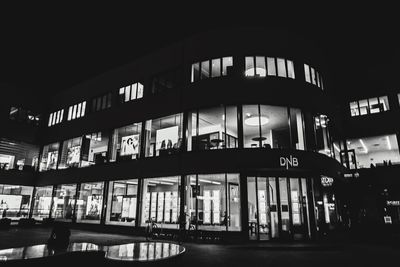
[262, 208]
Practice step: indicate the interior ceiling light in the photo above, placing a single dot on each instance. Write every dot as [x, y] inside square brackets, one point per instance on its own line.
[388, 142]
[364, 146]
[256, 120]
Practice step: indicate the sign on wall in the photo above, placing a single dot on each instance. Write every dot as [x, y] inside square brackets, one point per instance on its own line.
[288, 161]
[393, 202]
[326, 181]
[167, 138]
[130, 145]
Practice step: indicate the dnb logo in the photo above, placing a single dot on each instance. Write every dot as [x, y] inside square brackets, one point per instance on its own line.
[290, 161]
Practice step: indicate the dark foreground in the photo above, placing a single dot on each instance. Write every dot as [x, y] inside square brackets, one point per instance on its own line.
[344, 252]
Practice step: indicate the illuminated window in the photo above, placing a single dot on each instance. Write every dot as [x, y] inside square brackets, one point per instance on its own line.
[56, 117]
[101, 102]
[369, 106]
[76, 111]
[131, 92]
[261, 67]
[213, 68]
[311, 75]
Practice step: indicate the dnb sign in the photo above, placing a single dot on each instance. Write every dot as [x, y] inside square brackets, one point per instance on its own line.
[288, 161]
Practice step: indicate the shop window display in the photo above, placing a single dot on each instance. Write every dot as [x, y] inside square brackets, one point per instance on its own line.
[125, 142]
[164, 135]
[71, 153]
[207, 207]
[15, 201]
[49, 157]
[161, 201]
[122, 200]
[64, 202]
[89, 203]
[94, 149]
[214, 128]
[42, 202]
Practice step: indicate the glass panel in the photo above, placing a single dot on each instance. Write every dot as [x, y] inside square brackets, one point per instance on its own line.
[127, 93]
[271, 66]
[261, 70]
[374, 106]
[15, 201]
[305, 210]
[195, 72]
[122, 199]
[78, 111]
[205, 69]
[231, 134]
[283, 193]
[290, 69]
[49, 157]
[125, 142]
[94, 149]
[133, 91]
[191, 194]
[274, 127]
[251, 126]
[364, 109]
[375, 151]
[109, 98]
[70, 113]
[281, 67]
[316, 72]
[216, 67]
[273, 205]
[354, 109]
[161, 201]
[70, 154]
[313, 79]
[252, 208]
[90, 203]
[263, 208]
[249, 68]
[211, 129]
[307, 73]
[42, 202]
[164, 135]
[140, 89]
[322, 134]
[74, 112]
[234, 214]
[383, 103]
[50, 119]
[297, 216]
[63, 202]
[212, 213]
[297, 130]
[227, 65]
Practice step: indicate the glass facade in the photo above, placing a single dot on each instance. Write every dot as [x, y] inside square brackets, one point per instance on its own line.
[15, 201]
[211, 68]
[161, 201]
[94, 149]
[369, 106]
[122, 202]
[42, 202]
[89, 203]
[265, 126]
[71, 153]
[49, 157]
[259, 66]
[64, 202]
[214, 128]
[164, 135]
[375, 151]
[312, 76]
[126, 142]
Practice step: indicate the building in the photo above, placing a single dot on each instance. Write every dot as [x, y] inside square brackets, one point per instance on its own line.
[227, 134]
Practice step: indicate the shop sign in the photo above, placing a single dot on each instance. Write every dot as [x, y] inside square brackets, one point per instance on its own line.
[288, 161]
[387, 219]
[326, 181]
[393, 202]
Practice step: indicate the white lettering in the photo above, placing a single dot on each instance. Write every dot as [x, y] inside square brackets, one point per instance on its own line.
[286, 162]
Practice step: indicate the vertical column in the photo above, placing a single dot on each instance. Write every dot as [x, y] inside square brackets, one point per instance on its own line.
[139, 203]
[78, 189]
[182, 214]
[105, 201]
[240, 125]
[311, 207]
[244, 204]
[32, 203]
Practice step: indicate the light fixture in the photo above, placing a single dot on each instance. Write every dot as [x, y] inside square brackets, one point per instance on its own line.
[256, 120]
[208, 181]
[364, 146]
[336, 147]
[388, 142]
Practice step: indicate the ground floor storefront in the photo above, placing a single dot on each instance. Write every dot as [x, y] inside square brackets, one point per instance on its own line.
[251, 205]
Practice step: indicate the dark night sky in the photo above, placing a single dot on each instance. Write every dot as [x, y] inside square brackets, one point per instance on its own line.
[48, 49]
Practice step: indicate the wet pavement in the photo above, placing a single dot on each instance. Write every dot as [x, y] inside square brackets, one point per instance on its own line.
[337, 253]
